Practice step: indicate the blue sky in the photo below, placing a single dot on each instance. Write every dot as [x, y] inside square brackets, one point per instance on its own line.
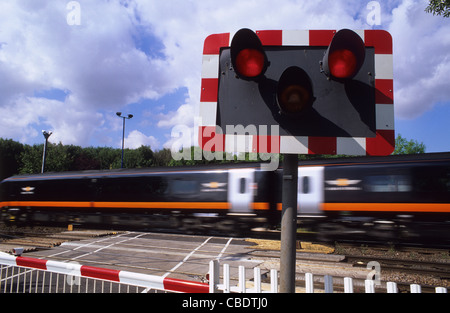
[432, 128]
[144, 58]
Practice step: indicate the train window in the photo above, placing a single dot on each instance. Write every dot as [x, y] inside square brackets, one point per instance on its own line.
[155, 186]
[432, 179]
[242, 184]
[305, 184]
[185, 187]
[388, 183]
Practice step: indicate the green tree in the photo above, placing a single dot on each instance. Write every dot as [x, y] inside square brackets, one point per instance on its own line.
[162, 157]
[31, 159]
[439, 7]
[108, 157]
[10, 161]
[145, 156]
[404, 146]
[18, 158]
[87, 159]
[60, 157]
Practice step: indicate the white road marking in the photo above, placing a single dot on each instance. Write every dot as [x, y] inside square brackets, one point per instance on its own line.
[106, 247]
[93, 243]
[186, 258]
[224, 248]
[157, 251]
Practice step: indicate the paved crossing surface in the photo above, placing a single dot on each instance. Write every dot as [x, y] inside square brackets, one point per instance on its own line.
[168, 255]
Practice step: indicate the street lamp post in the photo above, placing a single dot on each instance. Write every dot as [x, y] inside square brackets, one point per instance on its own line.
[119, 114]
[44, 153]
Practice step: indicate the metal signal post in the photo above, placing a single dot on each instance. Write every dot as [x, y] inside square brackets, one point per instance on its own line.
[289, 223]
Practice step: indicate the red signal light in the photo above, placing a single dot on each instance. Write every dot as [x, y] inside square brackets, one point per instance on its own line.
[345, 55]
[250, 62]
[247, 55]
[342, 63]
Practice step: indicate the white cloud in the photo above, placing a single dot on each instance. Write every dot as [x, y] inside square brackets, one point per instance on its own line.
[17, 118]
[97, 63]
[421, 59]
[136, 139]
[24, 113]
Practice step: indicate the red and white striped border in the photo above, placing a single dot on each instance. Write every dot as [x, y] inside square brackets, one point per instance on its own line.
[382, 144]
[124, 277]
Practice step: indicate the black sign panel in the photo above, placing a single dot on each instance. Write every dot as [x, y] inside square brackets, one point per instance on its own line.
[340, 109]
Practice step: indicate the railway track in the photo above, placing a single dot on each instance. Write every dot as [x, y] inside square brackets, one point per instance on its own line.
[410, 266]
[32, 239]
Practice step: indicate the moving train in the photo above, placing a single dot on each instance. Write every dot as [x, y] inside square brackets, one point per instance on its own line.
[398, 197]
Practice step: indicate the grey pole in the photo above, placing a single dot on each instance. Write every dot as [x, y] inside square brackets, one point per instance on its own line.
[289, 223]
[119, 114]
[44, 153]
[123, 140]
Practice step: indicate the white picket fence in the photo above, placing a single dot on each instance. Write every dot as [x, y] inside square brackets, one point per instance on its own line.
[257, 287]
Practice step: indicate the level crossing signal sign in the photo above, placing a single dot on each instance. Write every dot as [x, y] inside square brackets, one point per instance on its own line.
[298, 92]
